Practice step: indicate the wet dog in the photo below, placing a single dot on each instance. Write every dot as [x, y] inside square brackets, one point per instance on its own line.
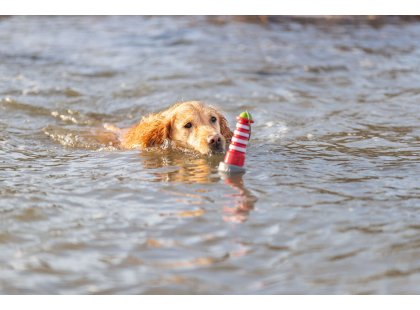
[191, 125]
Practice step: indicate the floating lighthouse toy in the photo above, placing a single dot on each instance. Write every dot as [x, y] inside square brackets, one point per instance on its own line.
[235, 157]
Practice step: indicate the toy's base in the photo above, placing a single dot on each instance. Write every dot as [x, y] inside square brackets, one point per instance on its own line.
[226, 168]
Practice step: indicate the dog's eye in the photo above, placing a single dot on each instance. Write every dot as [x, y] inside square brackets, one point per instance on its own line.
[213, 119]
[188, 125]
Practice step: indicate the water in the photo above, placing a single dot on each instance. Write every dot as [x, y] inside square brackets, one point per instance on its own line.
[330, 201]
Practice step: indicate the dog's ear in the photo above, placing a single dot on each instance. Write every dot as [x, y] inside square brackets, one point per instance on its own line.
[224, 128]
[151, 131]
[154, 131]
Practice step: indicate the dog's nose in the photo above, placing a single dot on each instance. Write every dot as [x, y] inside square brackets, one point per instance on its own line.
[214, 141]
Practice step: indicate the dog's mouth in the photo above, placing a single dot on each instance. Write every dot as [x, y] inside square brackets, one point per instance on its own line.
[218, 147]
[217, 150]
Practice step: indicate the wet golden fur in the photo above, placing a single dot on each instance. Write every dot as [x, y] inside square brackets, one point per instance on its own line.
[169, 125]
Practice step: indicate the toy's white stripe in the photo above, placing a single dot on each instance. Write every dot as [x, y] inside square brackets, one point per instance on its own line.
[234, 139]
[240, 133]
[237, 148]
[239, 125]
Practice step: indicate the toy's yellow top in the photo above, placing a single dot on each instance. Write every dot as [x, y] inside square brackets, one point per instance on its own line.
[246, 115]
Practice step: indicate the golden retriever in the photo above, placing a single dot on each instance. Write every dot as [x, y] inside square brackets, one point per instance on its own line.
[192, 125]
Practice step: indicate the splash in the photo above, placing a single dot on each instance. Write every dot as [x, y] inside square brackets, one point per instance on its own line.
[88, 139]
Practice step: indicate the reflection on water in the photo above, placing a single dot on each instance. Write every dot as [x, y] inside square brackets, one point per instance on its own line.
[172, 165]
[243, 200]
[175, 166]
[330, 201]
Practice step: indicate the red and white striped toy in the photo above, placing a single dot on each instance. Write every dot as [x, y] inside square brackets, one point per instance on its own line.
[235, 157]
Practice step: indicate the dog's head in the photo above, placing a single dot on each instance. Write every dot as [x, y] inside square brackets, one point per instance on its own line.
[193, 125]
[198, 126]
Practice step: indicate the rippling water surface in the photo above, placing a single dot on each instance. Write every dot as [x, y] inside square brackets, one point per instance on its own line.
[330, 202]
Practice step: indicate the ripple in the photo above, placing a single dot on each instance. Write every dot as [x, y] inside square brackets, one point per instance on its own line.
[11, 104]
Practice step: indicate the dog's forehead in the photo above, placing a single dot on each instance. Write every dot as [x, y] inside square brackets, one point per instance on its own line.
[192, 110]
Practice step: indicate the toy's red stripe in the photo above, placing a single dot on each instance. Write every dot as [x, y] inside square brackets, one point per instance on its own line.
[239, 144]
[242, 130]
